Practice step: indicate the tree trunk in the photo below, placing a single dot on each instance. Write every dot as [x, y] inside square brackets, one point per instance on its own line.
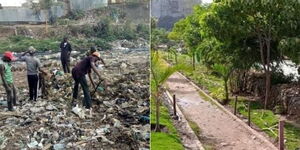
[157, 127]
[268, 72]
[193, 61]
[265, 67]
[68, 6]
[168, 56]
[226, 90]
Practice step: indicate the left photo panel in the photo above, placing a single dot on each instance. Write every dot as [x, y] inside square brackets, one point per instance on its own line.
[74, 74]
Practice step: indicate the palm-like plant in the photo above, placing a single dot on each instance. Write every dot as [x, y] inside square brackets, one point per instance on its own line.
[224, 71]
[160, 72]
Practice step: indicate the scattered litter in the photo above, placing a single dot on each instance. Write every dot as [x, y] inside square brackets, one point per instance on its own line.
[120, 114]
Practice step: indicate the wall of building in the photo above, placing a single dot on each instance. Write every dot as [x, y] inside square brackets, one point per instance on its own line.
[87, 4]
[13, 15]
[20, 14]
[170, 11]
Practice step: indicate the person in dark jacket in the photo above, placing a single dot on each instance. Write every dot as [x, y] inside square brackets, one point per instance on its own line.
[85, 66]
[66, 49]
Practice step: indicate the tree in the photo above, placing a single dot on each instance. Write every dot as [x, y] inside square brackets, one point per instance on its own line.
[260, 25]
[42, 5]
[158, 36]
[159, 74]
[188, 30]
[224, 70]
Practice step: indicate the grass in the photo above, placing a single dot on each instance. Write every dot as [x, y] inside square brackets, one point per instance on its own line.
[21, 43]
[266, 120]
[194, 127]
[161, 140]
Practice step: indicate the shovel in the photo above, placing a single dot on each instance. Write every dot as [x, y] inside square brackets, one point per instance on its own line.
[98, 88]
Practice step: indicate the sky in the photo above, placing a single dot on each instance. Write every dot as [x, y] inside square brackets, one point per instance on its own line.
[207, 1]
[12, 2]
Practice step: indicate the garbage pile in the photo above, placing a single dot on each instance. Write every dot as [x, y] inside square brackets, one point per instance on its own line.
[119, 118]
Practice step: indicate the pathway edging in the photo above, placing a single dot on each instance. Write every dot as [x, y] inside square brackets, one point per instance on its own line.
[230, 114]
[184, 125]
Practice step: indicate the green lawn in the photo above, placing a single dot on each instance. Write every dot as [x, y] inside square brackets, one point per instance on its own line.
[264, 119]
[161, 140]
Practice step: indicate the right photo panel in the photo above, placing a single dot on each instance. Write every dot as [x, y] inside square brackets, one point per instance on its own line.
[225, 75]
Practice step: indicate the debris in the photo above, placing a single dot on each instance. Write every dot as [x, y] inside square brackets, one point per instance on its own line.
[117, 123]
[79, 111]
[59, 147]
[51, 107]
[120, 113]
[33, 144]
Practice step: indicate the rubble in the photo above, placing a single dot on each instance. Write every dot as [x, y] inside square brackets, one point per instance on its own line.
[119, 119]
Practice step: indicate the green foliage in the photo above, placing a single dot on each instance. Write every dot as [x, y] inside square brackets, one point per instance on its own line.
[195, 127]
[46, 4]
[158, 37]
[280, 78]
[76, 14]
[161, 72]
[268, 122]
[103, 28]
[143, 30]
[86, 43]
[21, 43]
[161, 140]
[101, 43]
[264, 119]
[62, 21]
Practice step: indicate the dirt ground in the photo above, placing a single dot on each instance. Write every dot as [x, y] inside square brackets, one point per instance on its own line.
[217, 127]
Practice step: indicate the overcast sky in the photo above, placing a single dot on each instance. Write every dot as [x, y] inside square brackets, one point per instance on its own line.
[207, 1]
[12, 2]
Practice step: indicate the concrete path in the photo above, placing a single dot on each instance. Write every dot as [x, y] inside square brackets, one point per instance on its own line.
[227, 132]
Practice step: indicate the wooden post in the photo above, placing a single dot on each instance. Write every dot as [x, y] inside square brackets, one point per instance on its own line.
[46, 26]
[249, 117]
[281, 135]
[174, 105]
[235, 103]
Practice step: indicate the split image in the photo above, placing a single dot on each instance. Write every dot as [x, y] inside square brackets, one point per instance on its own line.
[74, 74]
[225, 75]
[149, 74]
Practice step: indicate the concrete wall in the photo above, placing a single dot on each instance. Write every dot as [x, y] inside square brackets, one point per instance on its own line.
[15, 15]
[87, 4]
[170, 11]
[19, 15]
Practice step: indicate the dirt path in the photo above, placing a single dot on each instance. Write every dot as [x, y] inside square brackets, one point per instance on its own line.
[216, 125]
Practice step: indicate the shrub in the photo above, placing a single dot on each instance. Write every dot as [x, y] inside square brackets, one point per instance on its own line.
[76, 15]
[279, 78]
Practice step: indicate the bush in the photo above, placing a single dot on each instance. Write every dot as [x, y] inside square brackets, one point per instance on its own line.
[104, 45]
[62, 21]
[279, 78]
[76, 15]
[21, 43]
[103, 28]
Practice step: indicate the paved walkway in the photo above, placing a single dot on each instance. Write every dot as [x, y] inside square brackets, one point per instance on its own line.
[216, 125]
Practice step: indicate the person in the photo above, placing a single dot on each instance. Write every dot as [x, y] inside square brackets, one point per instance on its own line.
[91, 51]
[65, 55]
[78, 73]
[7, 79]
[33, 67]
